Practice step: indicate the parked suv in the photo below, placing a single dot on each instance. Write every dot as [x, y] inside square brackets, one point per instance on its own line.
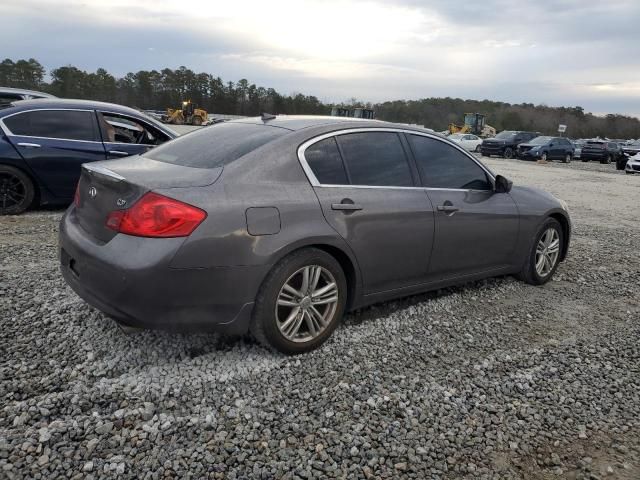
[505, 144]
[547, 148]
[605, 152]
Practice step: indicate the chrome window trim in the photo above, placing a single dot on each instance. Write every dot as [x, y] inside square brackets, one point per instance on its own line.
[315, 183]
[9, 133]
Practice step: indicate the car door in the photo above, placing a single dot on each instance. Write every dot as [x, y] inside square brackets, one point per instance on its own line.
[368, 194]
[124, 135]
[55, 143]
[476, 229]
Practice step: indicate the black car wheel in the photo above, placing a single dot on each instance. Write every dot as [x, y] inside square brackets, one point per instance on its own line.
[16, 191]
[544, 157]
[478, 148]
[300, 302]
[544, 255]
[567, 158]
[585, 160]
[621, 163]
[606, 160]
[508, 152]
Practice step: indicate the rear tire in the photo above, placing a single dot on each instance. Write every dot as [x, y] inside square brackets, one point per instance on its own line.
[16, 191]
[508, 152]
[567, 158]
[606, 160]
[283, 302]
[531, 273]
[477, 148]
[544, 157]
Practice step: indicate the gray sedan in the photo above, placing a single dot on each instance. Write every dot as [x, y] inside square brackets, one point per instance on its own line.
[279, 225]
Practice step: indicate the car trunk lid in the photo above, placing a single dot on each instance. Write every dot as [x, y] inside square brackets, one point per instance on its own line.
[117, 185]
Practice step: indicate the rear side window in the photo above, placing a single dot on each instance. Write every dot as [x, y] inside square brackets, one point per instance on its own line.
[443, 166]
[215, 146]
[325, 161]
[63, 124]
[375, 159]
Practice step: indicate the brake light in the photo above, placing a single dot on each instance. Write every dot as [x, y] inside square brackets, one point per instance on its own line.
[155, 215]
[76, 196]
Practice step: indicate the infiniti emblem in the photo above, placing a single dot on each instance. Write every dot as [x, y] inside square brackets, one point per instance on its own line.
[93, 192]
[121, 202]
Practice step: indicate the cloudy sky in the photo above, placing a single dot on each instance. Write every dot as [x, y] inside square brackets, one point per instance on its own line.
[558, 52]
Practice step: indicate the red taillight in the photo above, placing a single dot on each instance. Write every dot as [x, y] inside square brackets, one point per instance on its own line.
[155, 215]
[76, 196]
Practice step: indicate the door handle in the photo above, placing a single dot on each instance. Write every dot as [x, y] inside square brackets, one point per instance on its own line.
[118, 153]
[29, 145]
[447, 209]
[346, 206]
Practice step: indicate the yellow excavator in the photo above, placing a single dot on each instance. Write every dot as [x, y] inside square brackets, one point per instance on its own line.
[187, 115]
[474, 123]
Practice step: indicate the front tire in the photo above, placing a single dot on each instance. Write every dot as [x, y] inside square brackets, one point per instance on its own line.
[543, 257]
[478, 150]
[300, 302]
[16, 191]
[508, 152]
[544, 157]
[567, 158]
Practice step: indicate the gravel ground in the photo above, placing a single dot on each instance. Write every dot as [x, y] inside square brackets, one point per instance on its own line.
[495, 379]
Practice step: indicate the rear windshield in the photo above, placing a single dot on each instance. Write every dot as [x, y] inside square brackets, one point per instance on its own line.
[215, 146]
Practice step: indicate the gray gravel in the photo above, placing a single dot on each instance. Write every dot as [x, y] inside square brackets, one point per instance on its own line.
[495, 379]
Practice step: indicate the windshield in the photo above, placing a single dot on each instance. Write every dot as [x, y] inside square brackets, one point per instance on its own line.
[540, 140]
[506, 135]
[215, 146]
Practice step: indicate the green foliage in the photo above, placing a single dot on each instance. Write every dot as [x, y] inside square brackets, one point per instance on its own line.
[167, 88]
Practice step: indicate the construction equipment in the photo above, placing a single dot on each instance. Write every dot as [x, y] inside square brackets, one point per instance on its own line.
[473, 123]
[356, 112]
[187, 115]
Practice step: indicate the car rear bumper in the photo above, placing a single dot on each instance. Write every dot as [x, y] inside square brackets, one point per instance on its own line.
[592, 156]
[129, 279]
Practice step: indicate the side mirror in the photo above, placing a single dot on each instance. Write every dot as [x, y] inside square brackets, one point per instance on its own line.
[503, 185]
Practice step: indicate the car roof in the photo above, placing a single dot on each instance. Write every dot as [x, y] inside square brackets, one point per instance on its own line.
[44, 103]
[56, 103]
[23, 91]
[299, 122]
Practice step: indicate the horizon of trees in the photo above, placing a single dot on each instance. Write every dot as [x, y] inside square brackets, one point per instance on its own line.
[156, 90]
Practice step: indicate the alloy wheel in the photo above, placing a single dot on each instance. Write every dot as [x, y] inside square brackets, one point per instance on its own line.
[547, 252]
[307, 303]
[12, 191]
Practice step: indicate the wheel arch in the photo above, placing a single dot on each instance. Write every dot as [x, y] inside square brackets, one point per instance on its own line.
[343, 256]
[566, 232]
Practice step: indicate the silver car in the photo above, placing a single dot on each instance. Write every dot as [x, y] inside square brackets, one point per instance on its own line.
[633, 165]
[280, 225]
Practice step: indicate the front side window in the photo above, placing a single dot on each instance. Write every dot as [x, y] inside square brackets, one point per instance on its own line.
[443, 166]
[325, 161]
[375, 159]
[62, 124]
[123, 129]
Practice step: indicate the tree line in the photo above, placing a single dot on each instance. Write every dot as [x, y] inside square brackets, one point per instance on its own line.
[157, 90]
